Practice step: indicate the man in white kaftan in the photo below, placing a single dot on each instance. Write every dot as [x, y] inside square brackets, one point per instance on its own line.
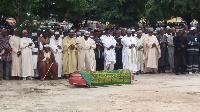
[35, 52]
[151, 52]
[109, 44]
[16, 54]
[86, 56]
[26, 45]
[129, 57]
[57, 48]
[140, 54]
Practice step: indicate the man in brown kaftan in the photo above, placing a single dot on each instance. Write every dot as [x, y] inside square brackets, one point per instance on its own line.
[47, 64]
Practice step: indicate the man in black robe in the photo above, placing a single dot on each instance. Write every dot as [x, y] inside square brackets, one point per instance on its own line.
[180, 51]
[163, 61]
[118, 51]
[98, 51]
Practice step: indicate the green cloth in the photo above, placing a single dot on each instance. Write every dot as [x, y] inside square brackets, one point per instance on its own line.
[87, 77]
[106, 77]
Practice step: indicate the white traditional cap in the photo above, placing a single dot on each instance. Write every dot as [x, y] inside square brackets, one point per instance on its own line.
[168, 28]
[79, 33]
[150, 29]
[71, 31]
[57, 33]
[133, 30]
[87, 33]
[155, 32]
[193, 28]
[129, 31]
[34, 34]
[47, 45]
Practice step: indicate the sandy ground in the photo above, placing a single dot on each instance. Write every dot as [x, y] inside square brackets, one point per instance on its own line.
[150, 93]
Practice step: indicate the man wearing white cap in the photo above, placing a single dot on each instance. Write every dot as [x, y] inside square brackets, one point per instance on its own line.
[81, 34]
[47, 64]
[86, 56]
[129, 57]
[57, 48]
[78, 34]
[35, 52]
[16, 54]
[140, 50]
[193, 51]
[69, 55]
[168, 31]
[151, 52]
[133, 33]
[109, 44]
[26, 45]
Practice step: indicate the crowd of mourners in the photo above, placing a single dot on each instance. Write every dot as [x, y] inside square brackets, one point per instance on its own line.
[55, 54]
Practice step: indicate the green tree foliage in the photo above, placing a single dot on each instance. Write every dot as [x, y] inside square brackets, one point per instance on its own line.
[159, 10]
[121, 12]
[188, 9]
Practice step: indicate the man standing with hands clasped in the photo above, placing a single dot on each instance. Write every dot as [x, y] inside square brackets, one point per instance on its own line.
[151, 52]
[129, 58]
[86, 56]
[57, 48]
[16, 55]
[163, 61]
[180, 50]
[26, 45]
[69, 55]
[109, 44]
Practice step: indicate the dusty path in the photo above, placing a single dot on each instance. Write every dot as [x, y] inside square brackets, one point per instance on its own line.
[150, 93]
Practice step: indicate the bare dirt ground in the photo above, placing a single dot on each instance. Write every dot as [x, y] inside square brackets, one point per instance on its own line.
[150, 93]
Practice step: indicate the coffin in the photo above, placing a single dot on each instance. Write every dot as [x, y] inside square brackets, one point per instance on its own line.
[100, 78]
[77, 80]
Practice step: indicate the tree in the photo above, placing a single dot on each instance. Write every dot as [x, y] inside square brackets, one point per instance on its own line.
[159, 10]
[70, 10]
[188, 10]
[121, 12]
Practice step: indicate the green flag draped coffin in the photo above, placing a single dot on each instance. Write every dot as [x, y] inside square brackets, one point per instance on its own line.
[100, 78]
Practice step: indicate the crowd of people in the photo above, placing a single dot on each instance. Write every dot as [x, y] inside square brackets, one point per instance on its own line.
[57, 54]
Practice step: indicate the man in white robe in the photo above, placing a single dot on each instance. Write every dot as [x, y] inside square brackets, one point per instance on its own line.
[171, 49]
[86, 56]
[57, 48]
[109, 44]
[129, 57]
[79, 34]
[16, 54]
[151, 52]
[140, 61]
[35, 52]
[26, 45]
